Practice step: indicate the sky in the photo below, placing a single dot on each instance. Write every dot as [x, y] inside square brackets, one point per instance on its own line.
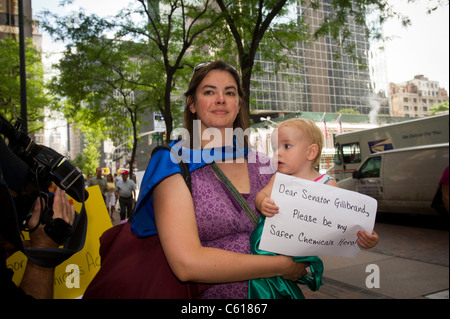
[422, 48]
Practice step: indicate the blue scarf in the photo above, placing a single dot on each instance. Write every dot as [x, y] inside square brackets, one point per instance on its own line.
[164, 164]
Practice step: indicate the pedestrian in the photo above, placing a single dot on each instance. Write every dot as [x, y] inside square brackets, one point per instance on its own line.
[110, 197]
[116, 178]
[440, 200]
[205, 233]
[100, 181]
[298, 145]
[89, 176]
[126, 192]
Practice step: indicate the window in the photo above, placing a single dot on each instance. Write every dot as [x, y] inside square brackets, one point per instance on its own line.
[351, 153]
[337, 154]
[371, 167]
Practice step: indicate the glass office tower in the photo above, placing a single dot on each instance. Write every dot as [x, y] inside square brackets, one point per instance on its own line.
[317, 83]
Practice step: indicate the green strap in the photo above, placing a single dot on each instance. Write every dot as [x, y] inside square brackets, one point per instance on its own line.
[237, 196]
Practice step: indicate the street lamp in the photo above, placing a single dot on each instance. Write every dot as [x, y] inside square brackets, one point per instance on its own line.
[23, 81]
[268, 119]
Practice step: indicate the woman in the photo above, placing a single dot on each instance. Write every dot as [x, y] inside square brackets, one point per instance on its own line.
[205, 234]
[110, 197]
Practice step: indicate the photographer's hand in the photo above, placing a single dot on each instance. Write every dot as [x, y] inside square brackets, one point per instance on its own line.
[38, 281]
[61, 209]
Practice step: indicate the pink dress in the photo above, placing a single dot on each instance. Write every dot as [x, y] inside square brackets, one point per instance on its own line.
[221, 221]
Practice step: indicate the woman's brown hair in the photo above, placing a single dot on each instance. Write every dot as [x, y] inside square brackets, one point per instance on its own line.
[242, 119]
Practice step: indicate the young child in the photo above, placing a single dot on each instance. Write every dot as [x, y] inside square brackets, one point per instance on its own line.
[298, 151]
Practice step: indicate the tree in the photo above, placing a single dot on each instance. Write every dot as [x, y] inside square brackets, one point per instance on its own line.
[102, 80]
[90, 67]
[172, 33]
[10, 83]
[441, 107]
[167, 37]
[248, 22]
[88, 160]
[255, 22]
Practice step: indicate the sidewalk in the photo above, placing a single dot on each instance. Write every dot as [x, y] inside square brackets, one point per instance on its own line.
[400, 278]
[413, 264]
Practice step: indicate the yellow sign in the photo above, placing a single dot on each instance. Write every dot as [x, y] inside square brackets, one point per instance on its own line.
[74, 275]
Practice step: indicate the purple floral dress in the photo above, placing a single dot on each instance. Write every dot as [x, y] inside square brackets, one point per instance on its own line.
[221, 221]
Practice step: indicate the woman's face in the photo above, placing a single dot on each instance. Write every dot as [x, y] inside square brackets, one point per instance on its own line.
[217, 100]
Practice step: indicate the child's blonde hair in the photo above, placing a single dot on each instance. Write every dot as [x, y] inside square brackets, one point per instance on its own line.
[312, 132]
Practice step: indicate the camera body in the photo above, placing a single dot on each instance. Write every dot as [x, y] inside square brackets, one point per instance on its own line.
[29, 170]
[45, 164]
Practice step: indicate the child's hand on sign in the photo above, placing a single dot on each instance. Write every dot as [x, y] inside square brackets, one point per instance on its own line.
[268, 207]
[367, 240]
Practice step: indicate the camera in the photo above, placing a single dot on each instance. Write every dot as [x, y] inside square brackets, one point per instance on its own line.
[29, 171]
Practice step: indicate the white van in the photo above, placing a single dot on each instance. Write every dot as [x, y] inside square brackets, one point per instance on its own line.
[352, 148]
[402, 180]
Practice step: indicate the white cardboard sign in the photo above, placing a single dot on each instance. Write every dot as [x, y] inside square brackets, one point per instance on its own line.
[316, 219]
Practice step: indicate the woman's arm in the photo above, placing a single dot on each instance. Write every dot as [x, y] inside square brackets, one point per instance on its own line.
[189, 260]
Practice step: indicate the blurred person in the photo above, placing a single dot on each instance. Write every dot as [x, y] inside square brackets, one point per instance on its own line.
[100, 181]
[126, 192]
[110, 198]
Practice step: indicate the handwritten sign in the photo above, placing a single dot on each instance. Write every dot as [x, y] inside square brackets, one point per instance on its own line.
[316, 219]
[82, 266]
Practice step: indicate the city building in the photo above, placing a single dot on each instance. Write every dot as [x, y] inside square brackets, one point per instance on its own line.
[9, 21]
[322, 84]
[415, 97]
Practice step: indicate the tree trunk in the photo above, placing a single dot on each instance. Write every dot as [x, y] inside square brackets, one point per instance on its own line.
[168, 119]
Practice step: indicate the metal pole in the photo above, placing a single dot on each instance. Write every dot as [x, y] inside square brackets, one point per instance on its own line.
[23, 80]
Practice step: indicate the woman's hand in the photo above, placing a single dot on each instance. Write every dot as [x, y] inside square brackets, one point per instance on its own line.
[294, 270]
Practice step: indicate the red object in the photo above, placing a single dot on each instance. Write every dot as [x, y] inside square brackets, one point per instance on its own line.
[135, 268]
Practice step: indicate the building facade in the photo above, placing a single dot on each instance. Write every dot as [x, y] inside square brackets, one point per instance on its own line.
[321, 83]
[415, 97]
[9, 21]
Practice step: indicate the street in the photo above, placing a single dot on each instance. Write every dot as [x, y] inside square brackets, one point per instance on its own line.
[410, 262]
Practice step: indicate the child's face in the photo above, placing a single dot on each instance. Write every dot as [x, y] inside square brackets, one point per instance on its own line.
[293, 152]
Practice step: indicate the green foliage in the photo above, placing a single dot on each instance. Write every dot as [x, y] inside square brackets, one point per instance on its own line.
[441, 107]
[88, 160]
[147, 49]
[348, 111]
[10, 83]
